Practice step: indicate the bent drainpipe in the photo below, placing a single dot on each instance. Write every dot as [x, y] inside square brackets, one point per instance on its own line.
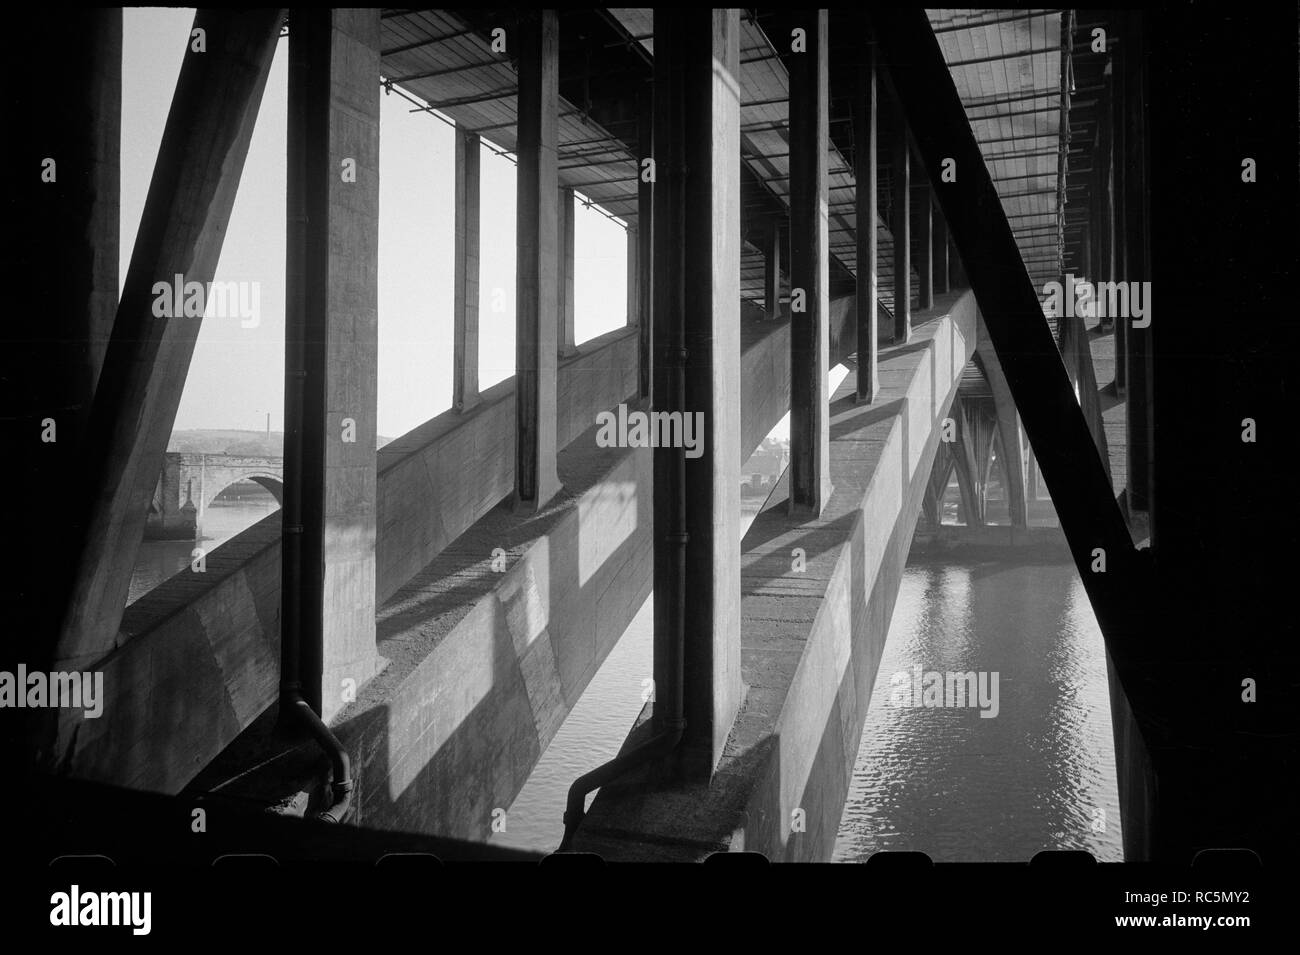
[673, 721]
[303, 170]
[342, 785]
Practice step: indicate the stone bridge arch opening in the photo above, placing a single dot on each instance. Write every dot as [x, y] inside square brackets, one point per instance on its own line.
[191, 483]
[273, 483]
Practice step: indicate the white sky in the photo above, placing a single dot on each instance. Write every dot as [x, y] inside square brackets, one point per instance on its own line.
[236, 376]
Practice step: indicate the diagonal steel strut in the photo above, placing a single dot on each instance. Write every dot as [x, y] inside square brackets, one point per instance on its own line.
[1075, 475]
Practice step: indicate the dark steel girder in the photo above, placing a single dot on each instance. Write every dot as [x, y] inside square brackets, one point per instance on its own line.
[1078, 479]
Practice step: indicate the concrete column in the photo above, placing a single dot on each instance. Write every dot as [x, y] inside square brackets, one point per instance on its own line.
[1086, 254]
[1119, 133]
[925, 247]
[565, 212]
[633, 303]
[902, 228]
[65, 137]
[645, 236]
[1105, 207]
[866, 210]
[537, 272]
[1095, 191]
[956, 274]
[772, 270]
[940, 246]
[465, 272]
[810, 486]
[697, 371]
[181, 231]
[1138, 352]
[331, 342]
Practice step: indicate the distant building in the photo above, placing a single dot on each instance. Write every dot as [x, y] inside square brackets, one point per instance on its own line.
[764, 468]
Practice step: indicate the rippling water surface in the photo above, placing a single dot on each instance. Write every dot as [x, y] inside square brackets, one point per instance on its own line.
[222, 520]
[1039, 775]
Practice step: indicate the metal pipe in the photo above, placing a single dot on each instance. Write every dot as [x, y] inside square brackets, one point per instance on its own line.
[294, 709]
[342, 785]
[670, 205]
[674, 721]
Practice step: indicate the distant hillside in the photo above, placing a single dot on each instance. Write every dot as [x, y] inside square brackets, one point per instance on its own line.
[220, 441]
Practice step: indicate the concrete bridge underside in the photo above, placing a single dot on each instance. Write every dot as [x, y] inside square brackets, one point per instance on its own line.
[444, 603]
[459, 631]
[489, 644]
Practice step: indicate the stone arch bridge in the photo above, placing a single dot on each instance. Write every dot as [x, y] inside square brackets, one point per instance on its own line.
[191, 481]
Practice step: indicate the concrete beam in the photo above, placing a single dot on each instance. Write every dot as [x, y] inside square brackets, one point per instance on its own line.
[199, 660]
[697, 371]
[467, 464]
[200, 161]
[865, 119]
[810, 486]
[465, 273]
[537, 272]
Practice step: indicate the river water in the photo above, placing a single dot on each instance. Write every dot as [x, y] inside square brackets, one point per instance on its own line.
[966, 788]
[222, 520]
[1039, 775]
